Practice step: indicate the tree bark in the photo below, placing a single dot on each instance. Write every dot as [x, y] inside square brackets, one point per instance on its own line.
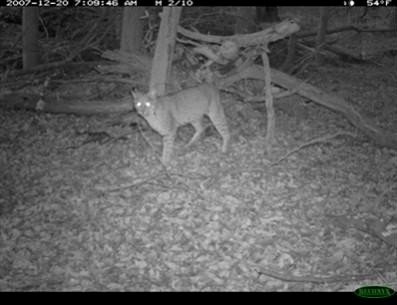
[30, 37]
[322, 30]
[267, 14]
[393, 20]
[132, 30]
[165, 44]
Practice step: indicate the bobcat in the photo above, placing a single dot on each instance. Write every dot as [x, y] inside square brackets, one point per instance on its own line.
[165, 114]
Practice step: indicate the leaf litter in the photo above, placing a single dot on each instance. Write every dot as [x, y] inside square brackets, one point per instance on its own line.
[107, 217]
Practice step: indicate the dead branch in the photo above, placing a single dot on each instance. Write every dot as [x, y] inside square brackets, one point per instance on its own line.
[322, 139]
[345, 222]
[344, 28]
[11, 58]
[271, 119]
[314, 279]
[344, 54]
[332, 31]
[330, 51]
[89, 40]
[76, 106]
[276, 32]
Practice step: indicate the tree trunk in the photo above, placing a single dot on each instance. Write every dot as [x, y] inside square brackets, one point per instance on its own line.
[322, 30]
[30, 37]
[132, 30]
[161, 66]
[289, 60]
[393, 20]
[267, 14]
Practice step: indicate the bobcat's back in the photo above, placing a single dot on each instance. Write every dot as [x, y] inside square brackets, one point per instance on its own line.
[190, 104]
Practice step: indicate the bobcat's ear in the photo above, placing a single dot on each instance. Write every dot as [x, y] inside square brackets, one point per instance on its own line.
[135, 94]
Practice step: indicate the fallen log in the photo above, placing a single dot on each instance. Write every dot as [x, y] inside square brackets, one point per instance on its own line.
[73, 106]
[275, 32]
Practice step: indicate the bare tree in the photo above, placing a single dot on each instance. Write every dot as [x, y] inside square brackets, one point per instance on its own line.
[322, 30]
[393, 19]
[30, 37]
[267, 14]
[132, 30]
[161, 66]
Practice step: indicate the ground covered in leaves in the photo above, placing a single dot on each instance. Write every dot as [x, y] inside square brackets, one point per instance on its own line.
[81, 214]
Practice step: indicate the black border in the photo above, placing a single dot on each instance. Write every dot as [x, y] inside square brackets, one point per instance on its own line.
[188, 3]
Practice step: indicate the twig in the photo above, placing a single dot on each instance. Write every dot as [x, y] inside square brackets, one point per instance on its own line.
[189, 42]
[325, 138]
[314, 279]
[331, 31]
[11, 58]
[345, 222]
[130, 185]
[282, 94]
[88, 41]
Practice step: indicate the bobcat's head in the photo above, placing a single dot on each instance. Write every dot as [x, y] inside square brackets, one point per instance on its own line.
[145, 104]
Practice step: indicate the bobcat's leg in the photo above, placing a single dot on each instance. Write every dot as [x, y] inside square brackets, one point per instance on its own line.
[198, 127]
[220, 123]
[168, 145]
